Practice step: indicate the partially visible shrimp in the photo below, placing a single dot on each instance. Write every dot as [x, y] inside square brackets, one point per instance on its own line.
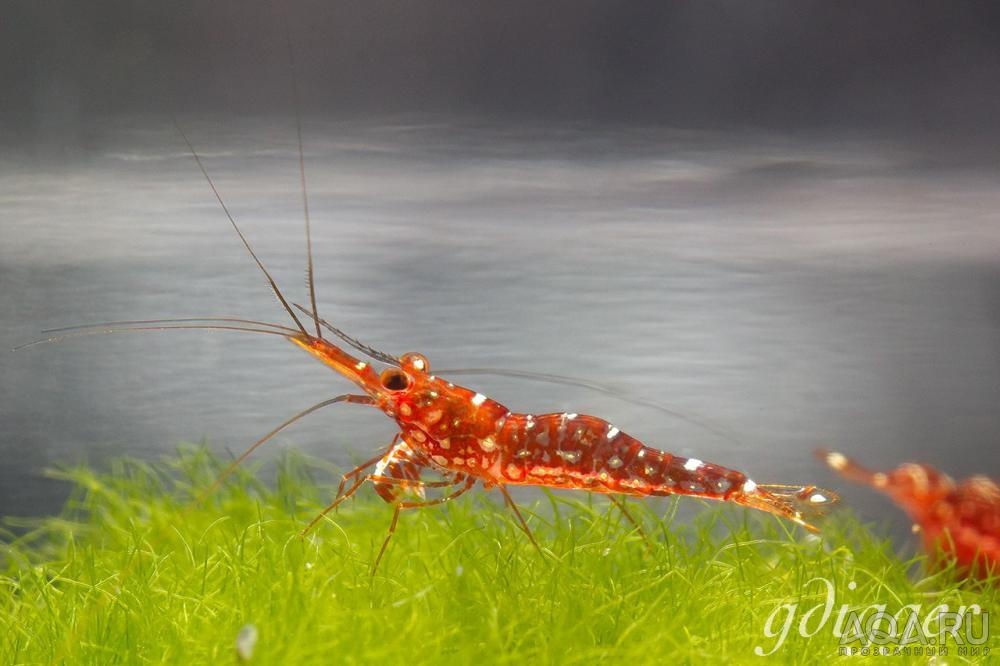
[960, 521]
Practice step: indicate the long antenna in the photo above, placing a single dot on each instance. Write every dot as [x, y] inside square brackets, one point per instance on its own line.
[232, 221]
[302, 172]
[176, 320]
[99, 330]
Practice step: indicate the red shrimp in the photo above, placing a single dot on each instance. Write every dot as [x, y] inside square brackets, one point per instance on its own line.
[470, 438]
[958, 521]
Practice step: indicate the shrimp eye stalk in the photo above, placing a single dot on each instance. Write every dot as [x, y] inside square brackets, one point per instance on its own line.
[394, 379]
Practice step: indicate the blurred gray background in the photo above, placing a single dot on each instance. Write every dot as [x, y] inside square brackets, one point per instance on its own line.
[780, 218]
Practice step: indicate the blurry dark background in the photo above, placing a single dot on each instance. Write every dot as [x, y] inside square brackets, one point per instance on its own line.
[892, 64]
[780, 218]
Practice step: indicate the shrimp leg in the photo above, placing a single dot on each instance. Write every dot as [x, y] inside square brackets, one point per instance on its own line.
[356, 472]
[465, 487]
[509, 501]
[400, 459]
[620, 503]
[342, 494]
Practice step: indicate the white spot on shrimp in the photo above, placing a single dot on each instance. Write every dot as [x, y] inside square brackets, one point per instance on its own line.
[440, 460]
[569, 456]
[478, 399]
[721, 485]
[360, 366]
[693, 487]
[613, 432]
[432, 417]
[523, 453]
[405, 409]
[458, 461]
[488, 444]
[818, 498]
[749, 486]
[445, 443]
[418, 435]
[569, 416]
[692, 464]
[649, 470]
[614, 462]
[419, 364]
[514, 472]
[529, 422]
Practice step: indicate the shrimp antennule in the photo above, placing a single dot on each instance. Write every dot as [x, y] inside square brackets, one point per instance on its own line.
[354, 342]
[267, 274]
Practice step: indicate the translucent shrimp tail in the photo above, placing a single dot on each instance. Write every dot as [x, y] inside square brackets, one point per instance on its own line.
[801, 504]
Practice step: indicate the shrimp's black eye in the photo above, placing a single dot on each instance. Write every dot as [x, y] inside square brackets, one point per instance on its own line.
[394, 379]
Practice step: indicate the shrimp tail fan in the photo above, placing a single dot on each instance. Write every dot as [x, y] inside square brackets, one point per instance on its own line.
[801, 504]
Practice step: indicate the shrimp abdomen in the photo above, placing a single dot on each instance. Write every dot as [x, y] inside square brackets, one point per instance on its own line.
[577, 451]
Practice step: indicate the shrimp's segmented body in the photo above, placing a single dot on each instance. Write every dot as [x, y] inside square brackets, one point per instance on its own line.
[470, 438]
[960, 521]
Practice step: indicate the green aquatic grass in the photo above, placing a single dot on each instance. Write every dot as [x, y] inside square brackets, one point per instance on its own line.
[135, 572]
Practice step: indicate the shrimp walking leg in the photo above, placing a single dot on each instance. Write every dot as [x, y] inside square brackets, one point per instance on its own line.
[509, 501]
[342, 495]
[465, 487]
[357, 472]
[410, 484]
[623, 507]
